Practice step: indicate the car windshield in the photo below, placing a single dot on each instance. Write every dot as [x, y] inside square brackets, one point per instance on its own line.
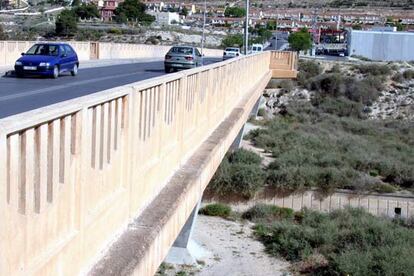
[182, 50]
[232, 49]
[43, 50]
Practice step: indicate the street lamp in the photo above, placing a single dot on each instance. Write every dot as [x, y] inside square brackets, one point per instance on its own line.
[204, 35]
[246, 30]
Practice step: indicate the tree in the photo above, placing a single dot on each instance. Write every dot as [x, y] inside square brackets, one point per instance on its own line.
[271, 25]
[234, 12]
[66, 24]
[184, 11]
[3, 35]
[133, 10]
[300, 41]
[264, 33]
[233, 41]
[87, 11]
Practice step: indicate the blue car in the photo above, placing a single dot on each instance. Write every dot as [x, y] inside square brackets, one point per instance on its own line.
[48, 59]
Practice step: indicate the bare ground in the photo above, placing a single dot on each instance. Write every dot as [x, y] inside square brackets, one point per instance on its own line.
[232, 251]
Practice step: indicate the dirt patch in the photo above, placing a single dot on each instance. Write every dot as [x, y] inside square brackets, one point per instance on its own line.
[232, 250]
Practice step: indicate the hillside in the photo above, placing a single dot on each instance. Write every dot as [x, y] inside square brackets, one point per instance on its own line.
[339, 126]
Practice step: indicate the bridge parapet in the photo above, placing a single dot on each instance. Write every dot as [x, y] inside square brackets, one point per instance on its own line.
[75, 173]
[284, 65]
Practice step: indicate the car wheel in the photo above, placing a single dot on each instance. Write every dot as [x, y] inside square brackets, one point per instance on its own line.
[55, 72]
[169, 70]
[19, 75]
[74, 71]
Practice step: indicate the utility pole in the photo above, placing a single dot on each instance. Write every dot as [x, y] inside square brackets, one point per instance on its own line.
[204, 34]
[277, 25]
[246, 30]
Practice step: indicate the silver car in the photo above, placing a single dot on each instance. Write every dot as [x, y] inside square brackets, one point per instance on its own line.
[182, 57]
[231, 52]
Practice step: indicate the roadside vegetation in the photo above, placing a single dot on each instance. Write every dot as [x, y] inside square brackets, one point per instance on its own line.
[326, 143]
[344, 242]
[216, 210]
[239, 174]
[328, 147]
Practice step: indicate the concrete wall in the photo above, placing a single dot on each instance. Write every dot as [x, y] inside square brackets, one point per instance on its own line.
[376, 204]
[382, 46]
[73, 174]
[10, 51]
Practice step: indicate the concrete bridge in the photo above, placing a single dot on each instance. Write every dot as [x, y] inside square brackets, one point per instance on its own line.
[104, 184]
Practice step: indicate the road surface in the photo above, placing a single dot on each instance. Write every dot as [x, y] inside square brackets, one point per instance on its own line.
[279, 41]
[20, 95]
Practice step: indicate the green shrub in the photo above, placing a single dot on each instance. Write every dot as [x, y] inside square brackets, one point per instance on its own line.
[286, 85]
[373, 69]
[398, 77]
[115, 31]
[216, 210]
[246, 180]
[239, 174]
[365, 91]
[331, 84]
[341, 106]
[267, 212]
[351, 241]
[237, 178]
[336, 86]
[244, 157]
[307, 70]
[408, 74]
[85, 34]
[384, 188]
[261, 112]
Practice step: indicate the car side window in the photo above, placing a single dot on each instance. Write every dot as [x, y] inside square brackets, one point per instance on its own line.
[62, 51]
[68, 50]
[197, 52]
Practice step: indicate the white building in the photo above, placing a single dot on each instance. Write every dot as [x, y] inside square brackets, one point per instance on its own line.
[166, 18]
[382, 46]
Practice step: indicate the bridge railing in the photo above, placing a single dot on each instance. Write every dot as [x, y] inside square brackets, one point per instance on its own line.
[284, 64]
[74, 173]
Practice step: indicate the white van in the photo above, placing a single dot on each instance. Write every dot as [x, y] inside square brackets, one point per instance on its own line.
[257, 48]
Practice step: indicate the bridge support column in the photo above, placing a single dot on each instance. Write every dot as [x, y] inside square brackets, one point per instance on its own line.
[256, 107]
[237, 142]
[184, 250]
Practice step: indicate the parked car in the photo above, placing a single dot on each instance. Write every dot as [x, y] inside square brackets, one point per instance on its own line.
[48, 59]
[257, 48]
[182, 57]
[231, 52]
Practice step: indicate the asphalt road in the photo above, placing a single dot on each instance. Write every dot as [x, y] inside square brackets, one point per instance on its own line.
[278, 41]
[18, 95]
